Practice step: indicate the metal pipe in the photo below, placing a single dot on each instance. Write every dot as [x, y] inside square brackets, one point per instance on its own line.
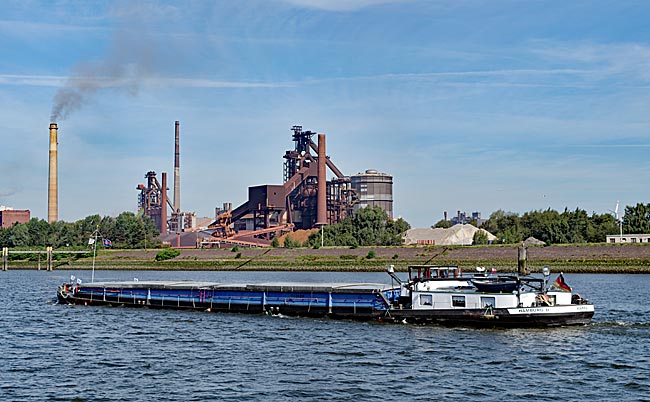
[330, 164]
[177, 169]
[321, 211]
[53, 179]
[163, 205]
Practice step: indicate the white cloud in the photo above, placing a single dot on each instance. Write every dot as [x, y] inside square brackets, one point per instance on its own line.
[628, 60]
[108, 82]
[343, 5]
[30, 29]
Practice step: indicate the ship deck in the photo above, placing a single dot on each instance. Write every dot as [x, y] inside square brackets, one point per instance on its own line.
[266, 286]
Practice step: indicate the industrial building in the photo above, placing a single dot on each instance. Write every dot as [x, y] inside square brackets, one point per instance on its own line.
[153, 201]
[464, 218]
[10, 216]
[306, 199]
[629, 238]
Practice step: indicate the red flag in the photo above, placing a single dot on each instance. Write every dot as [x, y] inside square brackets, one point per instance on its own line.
[560, 284]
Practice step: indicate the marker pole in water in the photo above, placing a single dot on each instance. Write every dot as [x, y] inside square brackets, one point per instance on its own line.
[94, 254]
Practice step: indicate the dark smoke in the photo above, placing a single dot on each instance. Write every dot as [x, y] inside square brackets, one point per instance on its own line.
[129, 60]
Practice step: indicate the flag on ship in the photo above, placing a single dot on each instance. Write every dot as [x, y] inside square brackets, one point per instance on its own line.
[107, 243]
[560, 284]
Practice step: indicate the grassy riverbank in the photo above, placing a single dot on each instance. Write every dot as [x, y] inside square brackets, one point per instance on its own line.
[592, 258]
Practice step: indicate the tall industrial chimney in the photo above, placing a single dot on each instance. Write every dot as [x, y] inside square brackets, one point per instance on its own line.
[53, 179]
[177, 168]
[321, 208]
[163, 205]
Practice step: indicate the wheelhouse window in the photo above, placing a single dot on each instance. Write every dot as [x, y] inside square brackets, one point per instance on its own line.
[426, 300]
[458, 301]
[488, 302]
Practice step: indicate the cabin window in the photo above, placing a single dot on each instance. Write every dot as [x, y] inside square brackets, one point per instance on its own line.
[458, 301]
[426, 300]
[488, 302]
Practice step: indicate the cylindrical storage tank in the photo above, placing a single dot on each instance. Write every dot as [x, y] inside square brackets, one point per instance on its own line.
[373, 188]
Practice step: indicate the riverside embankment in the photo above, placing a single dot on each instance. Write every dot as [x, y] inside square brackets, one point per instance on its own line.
[591, 258]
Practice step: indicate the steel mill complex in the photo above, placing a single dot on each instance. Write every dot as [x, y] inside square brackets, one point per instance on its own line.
[305, 200]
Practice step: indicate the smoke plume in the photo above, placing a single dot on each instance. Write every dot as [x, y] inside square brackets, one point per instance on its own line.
[128, 61]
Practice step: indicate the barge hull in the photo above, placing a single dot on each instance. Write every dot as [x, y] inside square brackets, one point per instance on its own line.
[555, 317]
[337, 301]
[349, 301]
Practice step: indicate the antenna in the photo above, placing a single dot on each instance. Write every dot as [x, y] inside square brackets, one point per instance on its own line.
[619, 219]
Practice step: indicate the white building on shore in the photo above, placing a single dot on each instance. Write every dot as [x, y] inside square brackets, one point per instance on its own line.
[629, 238]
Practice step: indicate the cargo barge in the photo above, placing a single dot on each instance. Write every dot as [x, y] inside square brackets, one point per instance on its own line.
[431, 294]
[304, 299]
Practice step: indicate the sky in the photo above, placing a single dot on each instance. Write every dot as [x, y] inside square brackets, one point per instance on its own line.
[470, 105]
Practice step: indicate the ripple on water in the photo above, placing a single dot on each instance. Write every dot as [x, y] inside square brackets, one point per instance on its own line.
[53, 352]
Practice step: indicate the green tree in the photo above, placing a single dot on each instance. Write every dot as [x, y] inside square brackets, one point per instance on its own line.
[63, 234]
[367, 227]
[442, 223]
[506, 226]
[548, 226]
[167, 254]
[601, 226]
[637, 219]
[39, 232]
[289, 243]
[19, 236]
[480, 237]
[128, 230]
[578, 225]
[567, 227]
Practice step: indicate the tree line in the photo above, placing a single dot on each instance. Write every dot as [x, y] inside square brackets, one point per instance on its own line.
[369, 226]
[124, 231]
[576, 226]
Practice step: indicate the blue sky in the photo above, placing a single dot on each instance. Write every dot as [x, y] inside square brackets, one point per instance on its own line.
[470, 105]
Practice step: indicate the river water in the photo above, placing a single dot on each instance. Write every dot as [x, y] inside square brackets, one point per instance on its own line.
[75, 353]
